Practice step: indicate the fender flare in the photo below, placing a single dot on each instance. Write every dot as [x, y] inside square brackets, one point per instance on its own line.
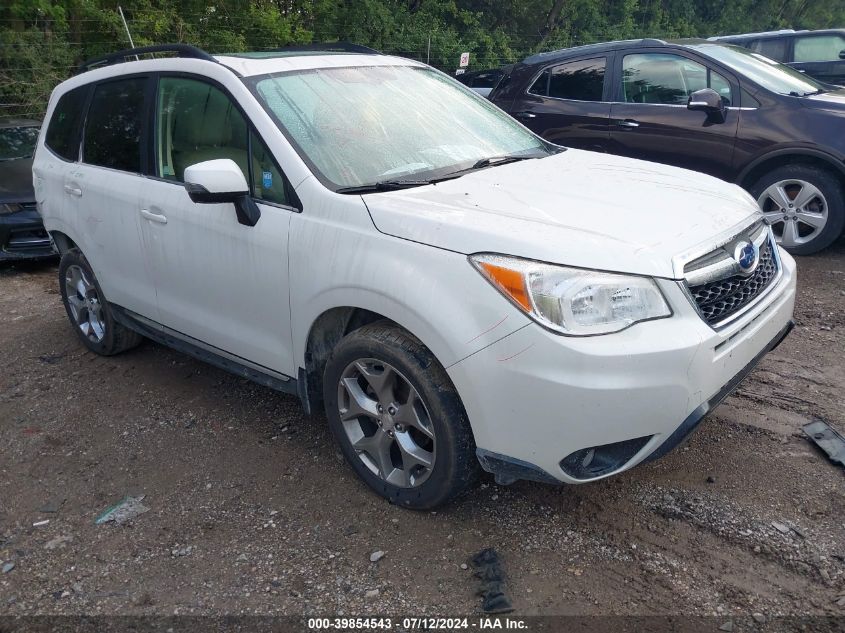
[837, 164]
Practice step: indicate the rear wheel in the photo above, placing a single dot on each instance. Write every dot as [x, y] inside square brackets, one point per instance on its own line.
[88, 310]
[805, 206]
[397, 417]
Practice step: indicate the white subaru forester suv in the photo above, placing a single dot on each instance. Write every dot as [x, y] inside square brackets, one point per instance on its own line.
[364, 232]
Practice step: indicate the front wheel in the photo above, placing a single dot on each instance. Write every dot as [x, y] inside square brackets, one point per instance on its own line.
[397, 417]
[804, 205]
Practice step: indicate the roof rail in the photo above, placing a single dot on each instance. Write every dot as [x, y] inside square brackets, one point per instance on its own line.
[651, 41]
[329, 47]
[181, 50]
[760, 34]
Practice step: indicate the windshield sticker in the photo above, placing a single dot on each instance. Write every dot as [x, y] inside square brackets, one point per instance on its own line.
[267, 179]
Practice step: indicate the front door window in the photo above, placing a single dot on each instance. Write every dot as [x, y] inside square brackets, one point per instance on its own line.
[197, 122]
[658, 78]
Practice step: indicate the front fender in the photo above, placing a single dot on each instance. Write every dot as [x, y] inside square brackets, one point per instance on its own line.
[435, 294]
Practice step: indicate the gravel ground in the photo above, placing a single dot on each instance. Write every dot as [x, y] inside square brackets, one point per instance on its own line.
[252, 510]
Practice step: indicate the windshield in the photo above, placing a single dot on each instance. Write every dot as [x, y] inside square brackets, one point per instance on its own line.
[766, 72]
[17, 142]
[364, 125]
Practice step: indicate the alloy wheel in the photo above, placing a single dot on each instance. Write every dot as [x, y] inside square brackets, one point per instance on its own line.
[796, 209]
[387, 422]
[84, 303]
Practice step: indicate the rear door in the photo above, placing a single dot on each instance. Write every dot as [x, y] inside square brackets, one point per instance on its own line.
[102, 191]
[650, 119]
[566, 104]
[821, 56]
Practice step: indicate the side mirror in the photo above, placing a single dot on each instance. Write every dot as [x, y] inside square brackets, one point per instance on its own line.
[220, 181]
[841, 54]
[708, 101]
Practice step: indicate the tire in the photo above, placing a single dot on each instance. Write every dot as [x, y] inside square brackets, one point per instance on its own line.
[392, 358]
[826, 205]
[88, 311]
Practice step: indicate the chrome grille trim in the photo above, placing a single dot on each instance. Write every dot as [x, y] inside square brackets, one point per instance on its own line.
[720, 301]
[680, 261]
[719, 263]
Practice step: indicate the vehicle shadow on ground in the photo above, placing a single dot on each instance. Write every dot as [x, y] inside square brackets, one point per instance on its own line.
[14, 267]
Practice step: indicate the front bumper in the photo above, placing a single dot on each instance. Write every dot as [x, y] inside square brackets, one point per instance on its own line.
[535, 399]
[22, 236]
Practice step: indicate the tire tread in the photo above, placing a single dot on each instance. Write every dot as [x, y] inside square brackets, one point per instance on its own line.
[832, 186]
[465, 470]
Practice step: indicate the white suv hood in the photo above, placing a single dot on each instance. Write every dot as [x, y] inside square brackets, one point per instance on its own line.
[577, 208]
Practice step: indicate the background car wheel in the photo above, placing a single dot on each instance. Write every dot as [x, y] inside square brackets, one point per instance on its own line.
[805, 206]
[88, 310]
[397, 417]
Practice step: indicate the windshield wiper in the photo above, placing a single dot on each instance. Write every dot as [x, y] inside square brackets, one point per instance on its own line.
[493, 161]
[383, 185]
[498, 160]
[393, 185]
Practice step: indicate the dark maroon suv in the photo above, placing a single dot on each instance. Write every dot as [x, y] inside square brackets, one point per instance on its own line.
[711, 107]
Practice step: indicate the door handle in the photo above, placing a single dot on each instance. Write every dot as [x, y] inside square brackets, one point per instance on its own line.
[627, 123]
[153, 217]
[525, 115]
[73, 191]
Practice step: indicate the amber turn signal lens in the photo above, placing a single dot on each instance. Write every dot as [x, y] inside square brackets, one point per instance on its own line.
[511, 282]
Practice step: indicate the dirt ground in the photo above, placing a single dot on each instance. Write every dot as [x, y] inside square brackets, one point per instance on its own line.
[252, 510]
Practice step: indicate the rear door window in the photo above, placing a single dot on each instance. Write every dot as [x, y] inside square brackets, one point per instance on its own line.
[820, 48]
[63, 129]
[113, 127]
[581, 80]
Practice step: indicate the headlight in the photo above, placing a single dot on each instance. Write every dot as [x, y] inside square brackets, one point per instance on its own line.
[574, 301]
[7, 208]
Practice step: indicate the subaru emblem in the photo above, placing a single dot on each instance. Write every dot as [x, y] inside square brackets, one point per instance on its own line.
[746, 256]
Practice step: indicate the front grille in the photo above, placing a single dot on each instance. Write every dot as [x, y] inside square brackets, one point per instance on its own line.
[719, 300]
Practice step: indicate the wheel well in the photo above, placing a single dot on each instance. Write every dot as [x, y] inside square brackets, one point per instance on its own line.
[325, 334]
[62, 242]
[787, 159]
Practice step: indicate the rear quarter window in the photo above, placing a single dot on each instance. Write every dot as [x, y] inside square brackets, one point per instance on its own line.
[63, 130]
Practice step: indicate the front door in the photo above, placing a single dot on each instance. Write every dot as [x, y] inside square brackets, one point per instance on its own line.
[650, 119]
[566, 105]
[218, 282]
